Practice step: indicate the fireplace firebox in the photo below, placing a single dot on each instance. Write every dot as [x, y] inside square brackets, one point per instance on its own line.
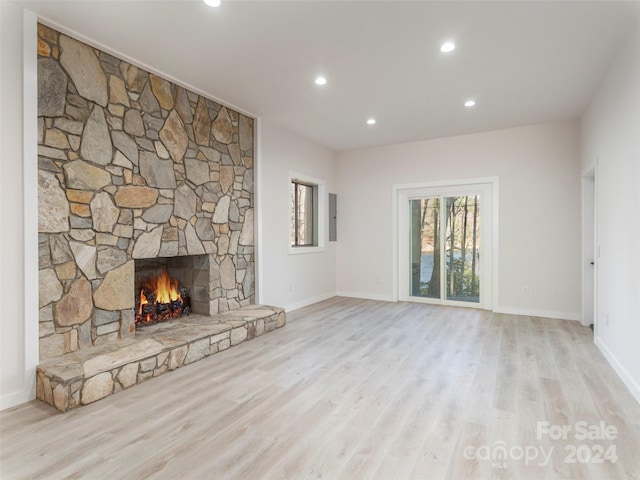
[169, 287]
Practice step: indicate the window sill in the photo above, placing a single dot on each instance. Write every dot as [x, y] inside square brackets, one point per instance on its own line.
[300, 250]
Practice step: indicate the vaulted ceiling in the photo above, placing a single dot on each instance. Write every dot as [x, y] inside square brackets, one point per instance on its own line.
[523, 62]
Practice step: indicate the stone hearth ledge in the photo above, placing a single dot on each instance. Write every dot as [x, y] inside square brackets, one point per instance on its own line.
[85, 376]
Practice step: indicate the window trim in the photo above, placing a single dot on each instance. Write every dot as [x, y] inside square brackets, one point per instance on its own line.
[320, 210]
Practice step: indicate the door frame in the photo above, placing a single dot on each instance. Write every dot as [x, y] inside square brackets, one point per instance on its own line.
[400, 196]
[589, 300]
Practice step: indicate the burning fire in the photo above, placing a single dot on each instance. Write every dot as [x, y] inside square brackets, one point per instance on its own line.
[161, 298]
[164, 287]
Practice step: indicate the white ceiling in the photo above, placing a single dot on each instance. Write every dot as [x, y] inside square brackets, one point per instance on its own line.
[524, 62]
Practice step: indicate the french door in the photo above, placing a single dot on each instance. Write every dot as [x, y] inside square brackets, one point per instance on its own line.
[445, 245]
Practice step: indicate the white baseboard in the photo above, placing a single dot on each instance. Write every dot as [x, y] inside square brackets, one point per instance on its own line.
[538, 313]
[366, 296]
[16, 398]
[630, 383]
[309, 301]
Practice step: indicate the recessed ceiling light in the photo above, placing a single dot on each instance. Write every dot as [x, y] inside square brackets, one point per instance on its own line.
[470, 103]
[371, 121]
[447, 47]
[321, 80]
[212, 3]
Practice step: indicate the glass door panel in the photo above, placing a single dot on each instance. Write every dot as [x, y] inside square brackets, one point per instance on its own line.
[462, 248]
[425, 232]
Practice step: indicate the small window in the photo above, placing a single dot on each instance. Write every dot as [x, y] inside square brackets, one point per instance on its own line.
[304, 214]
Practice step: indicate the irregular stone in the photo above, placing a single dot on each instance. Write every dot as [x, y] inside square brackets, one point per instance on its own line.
[247, 285]
[120, 160]
[233, 243]
[128, 375]
[97, 387]
[177, 356]
[117, 91]
[202, 123]
[162, 90]
[182, 105]
[107, 329]
[221, 214]
[135, 197]
[227, 274]
[75, 307]
[221, 128]
[60, 252]
[52, 88]
[83, 66]
[51, 346]
[135, 77]
[126, 145]
[234, 212]
[148, 244]
[116, 290]
[102, 317]
[197, 171]
[211, 153]
[197, 351]
[66, 271]
[158, 214]
[110, 258]
[56, 139]
[53, 208]
[168, 249]
[204, 230]
[82, 235]
[246, 133]
[96, 142]
[247, 181]
[226, 178]
[103, 212]
[223, 244]
[133, 123]
[148, 101]
[43, 49]
[60, 398]
[238, 335]
[85, 256]
[246, 235]
[194, 246]
[174, 137]
[44, 151]
[184, 202]
[157, 172]
[69, 126]
[161, 150]
[50, 288]
[234, 153]
[82, 176]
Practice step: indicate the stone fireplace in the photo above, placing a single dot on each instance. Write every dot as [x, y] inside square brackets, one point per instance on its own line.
[133, 167]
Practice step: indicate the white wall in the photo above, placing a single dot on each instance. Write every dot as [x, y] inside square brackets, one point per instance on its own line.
[17, 379]
[286, 280]
[539, 211]
[611, 138]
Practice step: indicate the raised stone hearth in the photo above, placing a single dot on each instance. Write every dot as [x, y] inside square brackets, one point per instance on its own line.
[85, 376]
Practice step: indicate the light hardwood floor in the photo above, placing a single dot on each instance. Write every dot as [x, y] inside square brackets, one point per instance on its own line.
[351, 389]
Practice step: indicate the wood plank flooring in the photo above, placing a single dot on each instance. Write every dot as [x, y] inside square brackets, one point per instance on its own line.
[352, 389]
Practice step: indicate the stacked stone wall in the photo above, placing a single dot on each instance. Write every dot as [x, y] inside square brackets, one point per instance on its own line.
[132, 166]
